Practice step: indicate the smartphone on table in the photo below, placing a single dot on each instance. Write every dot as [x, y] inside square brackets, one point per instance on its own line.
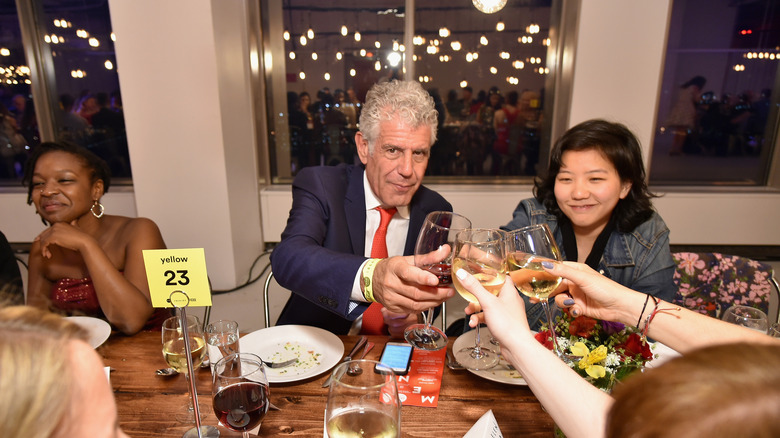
[397, 356]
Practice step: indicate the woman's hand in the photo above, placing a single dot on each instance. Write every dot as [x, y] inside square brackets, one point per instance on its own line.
[590, 293]
[504, 314]
[67, 236]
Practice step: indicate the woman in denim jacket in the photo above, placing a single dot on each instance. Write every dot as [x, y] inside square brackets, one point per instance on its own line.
[595, 200]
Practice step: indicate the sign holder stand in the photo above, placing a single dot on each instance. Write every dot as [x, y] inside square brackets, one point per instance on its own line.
[198, 431]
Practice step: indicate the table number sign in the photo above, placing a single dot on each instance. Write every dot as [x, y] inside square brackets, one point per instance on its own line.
[170, 270]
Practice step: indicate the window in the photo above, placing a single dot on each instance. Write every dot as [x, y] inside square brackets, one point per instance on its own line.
[77, 98]
[720, 85]
[476, 66]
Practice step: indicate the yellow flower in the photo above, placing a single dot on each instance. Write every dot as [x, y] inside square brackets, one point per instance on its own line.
[590, 359]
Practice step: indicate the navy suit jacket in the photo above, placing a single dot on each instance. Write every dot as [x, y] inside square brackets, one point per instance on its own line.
[323, 244]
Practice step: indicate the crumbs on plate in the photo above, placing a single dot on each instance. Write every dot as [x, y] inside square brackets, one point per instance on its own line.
[307, 358]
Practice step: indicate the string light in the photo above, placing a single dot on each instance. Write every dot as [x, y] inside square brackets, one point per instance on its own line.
[4, 51]
[357, 36]
[92, 42]
[292, 55]
[109, 65]
[464, 84]
[327, 76]
[310, 33]
[500, 26]
[377, 44]
[314, 56]
[352, 72]
[444, 32]
[303, 40]
[286, 35]
[483, 40]
[455, 45]
[493, 70]
[339, 56]
[344, 30]
[377, 66]
[302, 75]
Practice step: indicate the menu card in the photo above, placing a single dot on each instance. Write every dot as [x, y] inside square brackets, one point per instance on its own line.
[421, 385]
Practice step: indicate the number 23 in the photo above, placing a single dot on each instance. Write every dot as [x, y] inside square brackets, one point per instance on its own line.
[171, 281]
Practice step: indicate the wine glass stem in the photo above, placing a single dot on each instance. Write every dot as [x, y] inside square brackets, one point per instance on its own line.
[477, 353]
[428, 315]
[551, 325]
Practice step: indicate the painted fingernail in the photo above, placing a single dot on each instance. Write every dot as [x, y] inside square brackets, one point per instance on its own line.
[547, 265]
[575, 312]
[568, 302]
[461, 274]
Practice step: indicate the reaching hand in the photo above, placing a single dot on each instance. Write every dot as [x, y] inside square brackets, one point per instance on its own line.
[404, 288]
[594, 295]
[504, 314]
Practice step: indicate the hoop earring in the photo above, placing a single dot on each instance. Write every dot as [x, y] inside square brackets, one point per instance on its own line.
[100, 207]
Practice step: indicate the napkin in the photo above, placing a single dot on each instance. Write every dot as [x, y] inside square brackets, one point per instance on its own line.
[485, 427]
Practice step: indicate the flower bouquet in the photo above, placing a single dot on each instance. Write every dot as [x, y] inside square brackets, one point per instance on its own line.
[602, 352]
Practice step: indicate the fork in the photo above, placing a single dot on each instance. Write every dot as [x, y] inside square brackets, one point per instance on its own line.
[286, 363]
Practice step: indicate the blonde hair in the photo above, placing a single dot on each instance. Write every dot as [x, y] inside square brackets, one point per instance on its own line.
[36, 381]
[724, 390]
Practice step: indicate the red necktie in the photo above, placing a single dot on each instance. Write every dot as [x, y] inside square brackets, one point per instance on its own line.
[373, 322]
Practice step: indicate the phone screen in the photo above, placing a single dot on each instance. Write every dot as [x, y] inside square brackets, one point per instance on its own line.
[397, 357]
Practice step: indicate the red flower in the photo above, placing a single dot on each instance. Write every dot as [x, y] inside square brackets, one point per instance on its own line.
[582, 326]
[544, 339]
[634, 346]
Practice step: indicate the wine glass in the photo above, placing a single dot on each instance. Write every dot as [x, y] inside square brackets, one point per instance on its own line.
[175, 354]
[481, 252]
[774, 330]
[364, 404]
[527, 248]
[439, 229]
[747, 316]
[240, 392]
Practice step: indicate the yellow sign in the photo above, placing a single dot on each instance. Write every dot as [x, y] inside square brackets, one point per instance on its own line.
[177, 270]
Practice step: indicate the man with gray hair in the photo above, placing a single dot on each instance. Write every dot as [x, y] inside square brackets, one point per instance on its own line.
[347, 250]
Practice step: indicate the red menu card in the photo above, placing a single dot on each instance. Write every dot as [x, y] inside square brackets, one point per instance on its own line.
[420, 387]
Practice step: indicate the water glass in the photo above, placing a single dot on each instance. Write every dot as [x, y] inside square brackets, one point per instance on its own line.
[747, 316]
[774, 330]
[221, 339]
[363, 403]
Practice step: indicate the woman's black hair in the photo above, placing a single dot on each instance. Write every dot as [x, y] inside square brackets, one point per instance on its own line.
[99, 168]
[621, 148]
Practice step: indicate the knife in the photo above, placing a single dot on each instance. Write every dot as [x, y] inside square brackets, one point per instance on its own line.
[348, 358]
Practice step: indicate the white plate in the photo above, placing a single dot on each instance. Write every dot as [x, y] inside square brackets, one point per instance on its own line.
[663, 354]
[317, 350]
[500, 373]
[98, 329]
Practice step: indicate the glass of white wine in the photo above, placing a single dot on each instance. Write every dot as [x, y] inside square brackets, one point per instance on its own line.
[526, 249]
[174, 351]
[363, 404]
[481, 252]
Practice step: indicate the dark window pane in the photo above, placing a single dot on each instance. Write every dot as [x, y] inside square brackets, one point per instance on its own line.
[718, 90]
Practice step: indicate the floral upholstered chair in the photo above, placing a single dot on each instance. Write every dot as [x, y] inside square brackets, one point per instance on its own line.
[710, 283]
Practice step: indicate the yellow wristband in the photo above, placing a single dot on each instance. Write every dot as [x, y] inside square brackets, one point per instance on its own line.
[367, 278]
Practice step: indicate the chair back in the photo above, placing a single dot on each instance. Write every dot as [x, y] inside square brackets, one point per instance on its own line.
[710, 283]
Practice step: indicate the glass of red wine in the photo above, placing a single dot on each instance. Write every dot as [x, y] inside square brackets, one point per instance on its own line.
[240, 392]
[438, 230]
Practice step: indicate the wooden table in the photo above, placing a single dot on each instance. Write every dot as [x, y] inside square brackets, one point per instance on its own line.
[148, 403]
